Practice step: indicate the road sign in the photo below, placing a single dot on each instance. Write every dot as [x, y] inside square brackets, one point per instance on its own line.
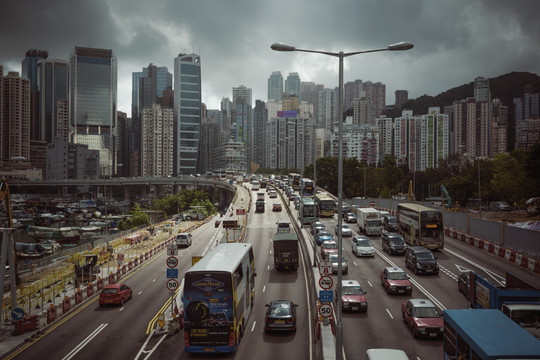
[326, 282]
[240, 211]
[325, 267]
[195, 259]
[17, 314]
[229, 224]
[172, 250]
[325, 310]
[172, 262]
[372, 203]
[161, 320]
[172, 273]
[326, 295]
[172, 284]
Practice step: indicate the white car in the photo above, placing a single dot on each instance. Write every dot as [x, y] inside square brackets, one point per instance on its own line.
[183, 240]
[346, 230]
[362, 246]
[272, 194]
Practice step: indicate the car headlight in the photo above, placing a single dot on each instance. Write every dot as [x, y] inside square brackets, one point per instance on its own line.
[392, 287]
[363, 303]
[418, 265]
[409, 287]
[421, 328]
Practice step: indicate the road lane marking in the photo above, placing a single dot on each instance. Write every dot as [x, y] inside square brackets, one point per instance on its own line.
[389, 314]
[84, 342]
[264, 288]
[253, 327]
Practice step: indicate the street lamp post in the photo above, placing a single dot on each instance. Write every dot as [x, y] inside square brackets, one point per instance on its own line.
[341, 55]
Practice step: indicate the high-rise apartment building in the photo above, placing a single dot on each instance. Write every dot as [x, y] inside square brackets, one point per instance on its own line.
[292, 84]
[157, 141]
[242, 94]
[471, 127]
[386, 134]
[275, 86]
[499, 128]
[360, 142]
[226, 108]
[273, 107]
[326, 113]
[15, 94]
[377, 93]
[53, 86]
[363, 111]
[434, 139]
[352, 90]
[481, 89]
[526, 107]
[187, 112]
[260, 116]
[93, 102]
[407, 140]
[402, 96]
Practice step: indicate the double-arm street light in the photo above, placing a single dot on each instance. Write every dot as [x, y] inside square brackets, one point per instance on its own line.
[341, 55]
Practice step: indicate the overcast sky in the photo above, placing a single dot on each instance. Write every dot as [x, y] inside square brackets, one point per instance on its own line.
[455, 41]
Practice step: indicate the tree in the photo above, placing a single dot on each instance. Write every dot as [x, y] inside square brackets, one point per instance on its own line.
[510, 181]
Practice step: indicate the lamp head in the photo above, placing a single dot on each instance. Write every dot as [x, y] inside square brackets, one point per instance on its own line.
[282, 47]
[401, 46]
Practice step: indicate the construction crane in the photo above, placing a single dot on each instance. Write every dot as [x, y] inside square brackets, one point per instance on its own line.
[447, 196]
[5, 197]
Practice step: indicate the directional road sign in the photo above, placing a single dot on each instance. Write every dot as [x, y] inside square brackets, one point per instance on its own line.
[172, 262]
[326, 282]
[172, 250]
[325, 267]
[326, 295]
[325, 310]
[17, 314]
[172, 284]
[172, 273]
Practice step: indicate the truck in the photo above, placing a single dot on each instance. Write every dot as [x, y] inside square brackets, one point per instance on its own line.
[485, 334]
[518, 299]
[285, 251]
[369, 221]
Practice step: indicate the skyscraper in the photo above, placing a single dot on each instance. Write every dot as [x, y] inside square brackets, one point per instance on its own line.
[292, 84]
[260, 116]
[242, 94]
[275, 86]
[29, 71]
[402, 96]
[93, 79]
[187, 112]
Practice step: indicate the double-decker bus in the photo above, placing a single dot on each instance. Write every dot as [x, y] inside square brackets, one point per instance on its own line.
[294, 181]
[307, 212]
[306, 188]
[326, 206]
[219, 291]
[421, 225]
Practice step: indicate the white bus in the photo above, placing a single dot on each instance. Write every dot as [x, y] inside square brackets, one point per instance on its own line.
[255, 185]
[219, 291]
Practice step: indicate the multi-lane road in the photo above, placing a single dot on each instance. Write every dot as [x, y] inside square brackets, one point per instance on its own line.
[93, 332]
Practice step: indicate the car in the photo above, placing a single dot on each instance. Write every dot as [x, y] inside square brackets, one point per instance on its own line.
[353, 298]
[280, 316]
[291, 197]
[396, 281]
[346, 230]
[276, 207]
[272, 194]
[362, 246]
[499, 206]
[323, 235]
[393, 243]
[345, 209]
[333, 258]
[315, 226]
[183, 240]
[463, 283]
[115, 294]
[217, 223]
[351, 218]
[421, 260]
[390, 223]
[327, 248]
[422, 317]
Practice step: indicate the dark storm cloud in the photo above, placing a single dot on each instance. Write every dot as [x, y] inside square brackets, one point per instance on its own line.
[455, 41]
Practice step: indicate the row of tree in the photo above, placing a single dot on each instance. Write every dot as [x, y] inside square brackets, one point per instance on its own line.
[513, 177]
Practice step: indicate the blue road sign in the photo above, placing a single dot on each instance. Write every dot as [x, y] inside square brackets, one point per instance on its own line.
[17, 314]
[326, 295]
[172, 273]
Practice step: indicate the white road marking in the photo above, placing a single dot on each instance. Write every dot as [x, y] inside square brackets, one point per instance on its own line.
[253, 327]
[84, 342]
[389, 314]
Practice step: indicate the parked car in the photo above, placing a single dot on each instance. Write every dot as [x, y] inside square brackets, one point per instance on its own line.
[393, 243]
[353, 298]
[115, 294]
[463, 283]
[421, 260]
[362, 246]
[327, 248]
[346, 230]
[280, 316]
[276, 207]
[396, 281]
[183, 240]
[334, 259]
[422, 317]
[390, 223]
[323, 235]
[499, 206]
[351, 218]
[316, 225]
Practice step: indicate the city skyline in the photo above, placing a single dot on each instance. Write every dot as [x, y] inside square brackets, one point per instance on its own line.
[473, 38]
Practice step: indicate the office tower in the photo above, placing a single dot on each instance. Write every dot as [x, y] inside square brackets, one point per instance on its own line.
[211, 140]
[122, 144]
[226, 107]
[481, 89]
[157, 141]
[53, 86]
[471, 126]
[242, 94]
[402, 96]
[260, 116]
[93, 102]
[29, 71]
[434, 139]
[242, 128]
[187, 112]
[275, 86]
[526, 108]
[292, 84]
[15, 93]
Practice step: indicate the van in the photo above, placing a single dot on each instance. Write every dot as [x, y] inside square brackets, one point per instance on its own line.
[283, 226]
[386, 354]
[421, 260]
[183, 240]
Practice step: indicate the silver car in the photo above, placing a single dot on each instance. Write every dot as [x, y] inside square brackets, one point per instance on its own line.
[362, 246]
[344, 265]
[346, 230]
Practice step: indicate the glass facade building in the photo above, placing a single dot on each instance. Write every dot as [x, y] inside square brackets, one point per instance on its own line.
[187, 112]
[93, 78]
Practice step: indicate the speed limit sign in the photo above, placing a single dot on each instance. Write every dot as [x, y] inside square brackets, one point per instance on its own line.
[325, 310]
[172, 284]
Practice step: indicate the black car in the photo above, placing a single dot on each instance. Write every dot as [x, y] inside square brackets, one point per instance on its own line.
[421, 260]
[390, 223]
[393, 243]
[280, 316]
[350, 217]
[463, 283]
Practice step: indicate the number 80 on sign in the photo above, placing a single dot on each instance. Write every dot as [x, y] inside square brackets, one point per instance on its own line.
[325, 310]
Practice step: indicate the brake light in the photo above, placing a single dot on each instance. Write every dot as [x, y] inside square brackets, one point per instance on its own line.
[231, 337]
[186, 338]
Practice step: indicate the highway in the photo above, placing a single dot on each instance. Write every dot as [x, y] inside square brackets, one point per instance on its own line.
[94, 332]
